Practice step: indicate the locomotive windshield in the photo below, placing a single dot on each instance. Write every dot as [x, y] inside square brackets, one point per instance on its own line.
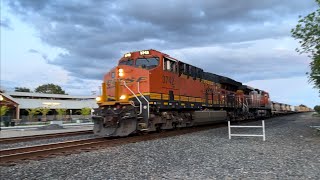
[128, 62]
[147, 63]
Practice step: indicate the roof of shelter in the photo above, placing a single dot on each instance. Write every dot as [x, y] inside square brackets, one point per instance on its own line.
[6, 96]
[28, 94]
[28, 100]
[56, 104]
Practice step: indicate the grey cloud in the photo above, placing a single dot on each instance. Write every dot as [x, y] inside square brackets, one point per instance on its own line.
[95, 33]
[33, 51]
[246, 62]
[43, 55]
[6, 23]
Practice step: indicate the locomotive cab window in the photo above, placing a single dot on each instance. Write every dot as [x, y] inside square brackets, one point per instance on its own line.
[169, 65]
[128, 62]
[147, 63]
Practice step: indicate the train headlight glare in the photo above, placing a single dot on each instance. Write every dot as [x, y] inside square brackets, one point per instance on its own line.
[98, 98]
[122, 97]
[121, 74]
[120, 70]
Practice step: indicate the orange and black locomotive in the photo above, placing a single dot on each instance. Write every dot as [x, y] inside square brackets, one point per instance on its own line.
[149, 91]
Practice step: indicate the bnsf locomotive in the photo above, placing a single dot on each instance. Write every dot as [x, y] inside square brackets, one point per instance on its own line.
[150, 91]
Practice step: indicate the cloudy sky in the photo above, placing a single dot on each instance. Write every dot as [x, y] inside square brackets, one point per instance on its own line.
[73, 43]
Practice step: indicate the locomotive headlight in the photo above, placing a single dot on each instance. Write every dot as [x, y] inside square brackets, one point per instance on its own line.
[122, 97]
[121, 72]
[98, 98]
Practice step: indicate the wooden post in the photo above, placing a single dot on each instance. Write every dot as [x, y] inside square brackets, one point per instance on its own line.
[17, 112]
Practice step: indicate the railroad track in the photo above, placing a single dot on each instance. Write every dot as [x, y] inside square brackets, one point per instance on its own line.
[42, 136]
[7, 156]
[16, 155]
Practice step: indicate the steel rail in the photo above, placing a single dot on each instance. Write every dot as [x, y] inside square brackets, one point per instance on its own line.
[42, 136]
[14, 154]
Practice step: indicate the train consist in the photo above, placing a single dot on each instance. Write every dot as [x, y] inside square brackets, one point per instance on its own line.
[281, 109]
[150, 91]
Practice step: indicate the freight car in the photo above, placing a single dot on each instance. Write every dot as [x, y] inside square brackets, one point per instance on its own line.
[302, 108]
[149, 91]
[281, 109]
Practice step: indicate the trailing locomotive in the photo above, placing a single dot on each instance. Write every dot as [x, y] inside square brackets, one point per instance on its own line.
[150, 91]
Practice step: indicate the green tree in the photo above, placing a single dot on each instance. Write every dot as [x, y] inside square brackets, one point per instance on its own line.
[50, 89]
[85, 111]
[44, 111]
[32, 113]
[21, 89]
[307, 31]
[317, 109]
[61, 113]
[4, 110]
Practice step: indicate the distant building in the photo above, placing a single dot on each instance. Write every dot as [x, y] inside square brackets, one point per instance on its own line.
[6, 100]
[20, 101]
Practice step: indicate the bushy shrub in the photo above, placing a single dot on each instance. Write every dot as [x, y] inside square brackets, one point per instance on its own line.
[61, 113]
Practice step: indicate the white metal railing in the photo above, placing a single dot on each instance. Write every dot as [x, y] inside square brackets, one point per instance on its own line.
[144, 98]
[259, 135]
[124, 83]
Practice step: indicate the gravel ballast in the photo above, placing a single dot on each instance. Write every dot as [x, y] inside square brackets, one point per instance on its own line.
[291, 151]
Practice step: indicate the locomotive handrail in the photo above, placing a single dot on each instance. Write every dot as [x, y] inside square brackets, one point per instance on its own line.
[246, 105]
[144, 98]
[132, 104]
[124, 83]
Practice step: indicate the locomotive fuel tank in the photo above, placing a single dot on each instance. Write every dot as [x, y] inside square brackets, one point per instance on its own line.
[207, 117]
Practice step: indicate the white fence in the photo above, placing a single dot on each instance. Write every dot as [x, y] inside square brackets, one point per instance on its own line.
[259, 135]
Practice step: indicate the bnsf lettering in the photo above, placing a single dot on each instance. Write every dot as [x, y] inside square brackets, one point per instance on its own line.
[110, 83]
[140, 79]
[128, 80]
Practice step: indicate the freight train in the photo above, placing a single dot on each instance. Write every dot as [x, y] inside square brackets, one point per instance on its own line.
[282, 109]
[149, 91]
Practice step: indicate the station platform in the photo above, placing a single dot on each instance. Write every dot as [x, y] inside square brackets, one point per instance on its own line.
[18, 131]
